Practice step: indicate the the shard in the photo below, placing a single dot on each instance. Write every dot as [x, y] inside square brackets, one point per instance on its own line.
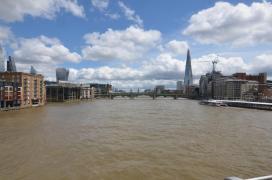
[188, 78]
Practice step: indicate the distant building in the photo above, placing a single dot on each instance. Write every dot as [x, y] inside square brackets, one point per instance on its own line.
[101, 89]
[261, 78]
[87, 92]
[188, 78]
[207, 84]
[21, 90]
[237, 86]
[62, 91]
[33, 70]
[180, 86]
[2, 60]
[62, 74]
[235, 89]
[159, 89]
[11, 67]
[148, 91]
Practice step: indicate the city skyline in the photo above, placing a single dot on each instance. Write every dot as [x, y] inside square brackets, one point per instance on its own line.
[122, 43]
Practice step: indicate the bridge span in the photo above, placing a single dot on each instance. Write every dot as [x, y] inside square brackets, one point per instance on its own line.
[133, 95]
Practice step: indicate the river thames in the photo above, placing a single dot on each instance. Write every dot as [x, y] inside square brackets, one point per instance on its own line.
[134, 139]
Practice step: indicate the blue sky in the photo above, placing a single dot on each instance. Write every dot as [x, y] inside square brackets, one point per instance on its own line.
[136, 43]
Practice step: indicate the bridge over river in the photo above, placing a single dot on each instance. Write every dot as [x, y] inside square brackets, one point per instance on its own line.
[133, 95]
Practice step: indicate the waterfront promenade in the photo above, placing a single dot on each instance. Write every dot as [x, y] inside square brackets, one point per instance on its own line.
[238, 103]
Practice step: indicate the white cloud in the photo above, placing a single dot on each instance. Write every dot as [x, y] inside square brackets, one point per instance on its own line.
[162, 70]
[233, 24]
[112, 15]
[262, 63]
[227, 65]
[11, 11]
[164, 67]
[177, 47]
[100, 4]
[44, 50]
[126, 45]
[167, 70]
[43, 53]
[5, 34]
[130, 14]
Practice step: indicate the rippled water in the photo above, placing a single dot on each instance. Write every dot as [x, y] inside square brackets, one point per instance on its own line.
[134, 139]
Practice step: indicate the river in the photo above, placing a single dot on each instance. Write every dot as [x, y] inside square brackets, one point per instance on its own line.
[134, 139]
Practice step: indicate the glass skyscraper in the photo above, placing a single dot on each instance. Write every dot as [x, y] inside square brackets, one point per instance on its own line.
[188, 78]
[33, 70]
[62, 74]
[11, 67]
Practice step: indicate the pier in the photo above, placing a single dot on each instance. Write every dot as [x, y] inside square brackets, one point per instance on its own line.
[257, 178]
[239, 103]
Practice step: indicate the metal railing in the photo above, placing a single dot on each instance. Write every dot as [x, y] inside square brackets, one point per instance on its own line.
[257, 178]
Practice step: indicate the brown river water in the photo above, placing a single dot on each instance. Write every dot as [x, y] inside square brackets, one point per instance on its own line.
[134, 140]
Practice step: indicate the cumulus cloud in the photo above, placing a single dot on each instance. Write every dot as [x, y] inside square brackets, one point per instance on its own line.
[165, 69]
[5, 34]
[44, 50]
[262, 63]
[238, 25]
[100, 4]
[162, 70]
[126, 45]
[112, 15]
[44, 53]
[227, 65]
[177, 47]
[130, 14]
[11, 11]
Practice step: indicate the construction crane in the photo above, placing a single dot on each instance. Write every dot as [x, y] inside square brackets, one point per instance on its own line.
[214, 62]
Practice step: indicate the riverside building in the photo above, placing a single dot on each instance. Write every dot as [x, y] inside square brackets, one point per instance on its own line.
[21, 90]
[238, 86]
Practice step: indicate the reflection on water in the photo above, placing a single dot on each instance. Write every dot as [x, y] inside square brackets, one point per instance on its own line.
[134, 139]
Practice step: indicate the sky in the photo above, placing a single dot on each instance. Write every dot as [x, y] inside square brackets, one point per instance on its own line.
[137, 43]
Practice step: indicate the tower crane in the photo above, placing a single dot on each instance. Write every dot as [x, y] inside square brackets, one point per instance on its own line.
[214, 62]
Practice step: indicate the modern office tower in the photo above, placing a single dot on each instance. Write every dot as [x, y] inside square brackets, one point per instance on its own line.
[11, 67]
[2, 60]
[62, 74]
[179, 85]
[188, 78]
[33, 70]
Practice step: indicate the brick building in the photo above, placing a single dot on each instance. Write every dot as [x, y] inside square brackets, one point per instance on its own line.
[18, 89]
